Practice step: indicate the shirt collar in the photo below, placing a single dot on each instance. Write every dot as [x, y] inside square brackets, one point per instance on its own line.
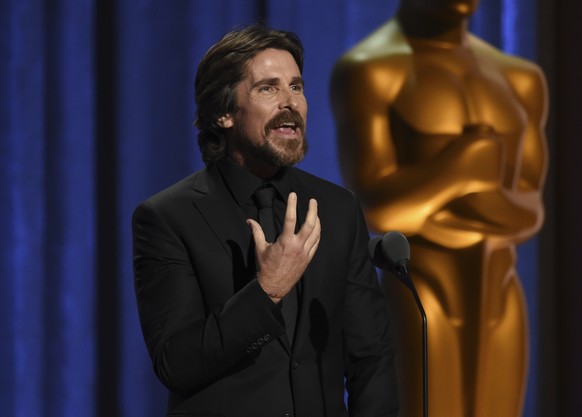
[242, 184]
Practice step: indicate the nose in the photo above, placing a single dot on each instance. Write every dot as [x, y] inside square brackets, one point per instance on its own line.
[289, 99]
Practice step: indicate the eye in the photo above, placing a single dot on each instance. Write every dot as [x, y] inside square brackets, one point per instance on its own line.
[297, 88]
[267, 88]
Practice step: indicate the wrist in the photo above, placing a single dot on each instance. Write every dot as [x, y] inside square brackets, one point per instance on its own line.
[274, 295]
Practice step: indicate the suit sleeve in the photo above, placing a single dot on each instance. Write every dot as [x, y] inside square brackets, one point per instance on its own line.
[369, 347]
[189, 346]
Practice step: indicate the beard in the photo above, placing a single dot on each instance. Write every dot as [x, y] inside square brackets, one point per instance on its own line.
[276, 151]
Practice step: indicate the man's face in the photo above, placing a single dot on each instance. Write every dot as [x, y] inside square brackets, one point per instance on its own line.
[268, 125]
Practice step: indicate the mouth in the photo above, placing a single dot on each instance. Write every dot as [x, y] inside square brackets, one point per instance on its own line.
[286, 128]
[286, 124]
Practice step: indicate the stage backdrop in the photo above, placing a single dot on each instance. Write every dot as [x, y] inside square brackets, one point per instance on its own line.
[96, 103]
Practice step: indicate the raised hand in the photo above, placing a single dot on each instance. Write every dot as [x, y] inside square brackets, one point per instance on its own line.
[282, 263]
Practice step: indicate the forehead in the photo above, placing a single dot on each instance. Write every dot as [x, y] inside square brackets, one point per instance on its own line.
[271, 62]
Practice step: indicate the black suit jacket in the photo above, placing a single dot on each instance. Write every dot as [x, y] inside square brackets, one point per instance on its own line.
[217, 341]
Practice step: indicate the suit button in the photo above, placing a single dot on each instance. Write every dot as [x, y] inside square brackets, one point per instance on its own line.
[267, 337]
[254, 346]
[260, 340]
[295, 364]
[288, 415]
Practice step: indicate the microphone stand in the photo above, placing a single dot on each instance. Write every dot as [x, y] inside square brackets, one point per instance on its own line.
[401, 273]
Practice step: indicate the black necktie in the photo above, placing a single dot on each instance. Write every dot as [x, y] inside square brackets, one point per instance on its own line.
[265, 199]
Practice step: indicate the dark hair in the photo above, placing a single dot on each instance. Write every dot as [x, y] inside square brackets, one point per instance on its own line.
[219, 72]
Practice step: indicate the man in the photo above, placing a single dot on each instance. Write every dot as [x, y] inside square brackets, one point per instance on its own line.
[238, 323]
[441, 135]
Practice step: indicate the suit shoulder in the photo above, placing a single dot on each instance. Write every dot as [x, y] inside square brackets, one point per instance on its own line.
[182, 190]
[322, 186]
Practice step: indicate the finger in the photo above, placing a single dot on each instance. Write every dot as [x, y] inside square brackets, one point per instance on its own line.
[290, 214]
[312, 242]
[258, 234]
[314, 248]
[310, 220]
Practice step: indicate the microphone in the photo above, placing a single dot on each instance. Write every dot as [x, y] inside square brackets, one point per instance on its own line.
[392, 252]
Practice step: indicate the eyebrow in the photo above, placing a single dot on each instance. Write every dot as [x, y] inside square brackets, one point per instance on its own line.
[276, 80]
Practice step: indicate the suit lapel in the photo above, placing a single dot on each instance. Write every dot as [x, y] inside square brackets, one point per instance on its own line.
[225, 219]
[310, 282]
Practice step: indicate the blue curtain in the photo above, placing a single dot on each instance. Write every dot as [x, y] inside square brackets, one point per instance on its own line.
[47, 188]
[96, 114]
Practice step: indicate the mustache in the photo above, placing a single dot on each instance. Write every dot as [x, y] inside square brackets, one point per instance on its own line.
[288, 116]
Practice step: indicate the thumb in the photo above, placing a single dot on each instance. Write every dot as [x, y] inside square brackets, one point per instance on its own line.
[258, 234]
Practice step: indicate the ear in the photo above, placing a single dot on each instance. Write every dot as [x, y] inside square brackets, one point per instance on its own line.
[225, 121]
